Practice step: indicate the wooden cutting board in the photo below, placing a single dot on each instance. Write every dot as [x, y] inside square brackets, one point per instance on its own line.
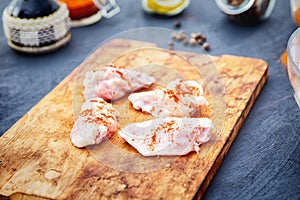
[37, 159]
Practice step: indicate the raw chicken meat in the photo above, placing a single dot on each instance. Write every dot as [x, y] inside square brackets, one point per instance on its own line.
[160, 102]
[189, 92]
[96, 122]
[111, 82]
[179, 99]
[167, 136]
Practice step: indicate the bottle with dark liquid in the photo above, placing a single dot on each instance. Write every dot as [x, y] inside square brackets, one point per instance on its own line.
[32, 8]
[36, 26]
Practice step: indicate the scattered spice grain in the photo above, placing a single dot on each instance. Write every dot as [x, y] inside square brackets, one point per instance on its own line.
[177, 24]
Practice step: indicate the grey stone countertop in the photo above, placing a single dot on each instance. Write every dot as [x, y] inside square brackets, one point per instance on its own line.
[264, 160]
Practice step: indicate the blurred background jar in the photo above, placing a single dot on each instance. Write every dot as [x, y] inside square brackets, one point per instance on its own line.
[248, 12]
[36, 26]
[165, 7]
[293, 51]
[86, 12]
[295, 10]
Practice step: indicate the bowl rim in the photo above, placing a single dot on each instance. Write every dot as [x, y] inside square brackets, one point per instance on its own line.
[289, 45]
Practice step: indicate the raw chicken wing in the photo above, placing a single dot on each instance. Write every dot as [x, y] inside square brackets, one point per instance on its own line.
[180, 99]
[167, 136]
[189, 92]
[112, 82]
[97, 122]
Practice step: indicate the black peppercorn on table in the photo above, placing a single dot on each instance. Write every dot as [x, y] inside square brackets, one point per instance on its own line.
[264, 160]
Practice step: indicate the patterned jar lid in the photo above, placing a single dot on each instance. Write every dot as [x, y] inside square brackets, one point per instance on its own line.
[38, 35]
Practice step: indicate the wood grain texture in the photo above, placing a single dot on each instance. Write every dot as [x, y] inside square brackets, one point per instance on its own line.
[38, 160]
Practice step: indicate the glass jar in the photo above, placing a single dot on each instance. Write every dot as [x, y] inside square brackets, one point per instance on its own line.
[293, 51]
[165, 7]
[80, 9]
[36, 26]
[247, 11]
[295, 11]
[86, 12]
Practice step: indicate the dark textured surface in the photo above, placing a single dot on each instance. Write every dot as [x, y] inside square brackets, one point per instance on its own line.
[264, 160]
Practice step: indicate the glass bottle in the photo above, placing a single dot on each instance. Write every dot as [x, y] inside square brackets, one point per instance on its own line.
[32, 8]
[36, 26]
